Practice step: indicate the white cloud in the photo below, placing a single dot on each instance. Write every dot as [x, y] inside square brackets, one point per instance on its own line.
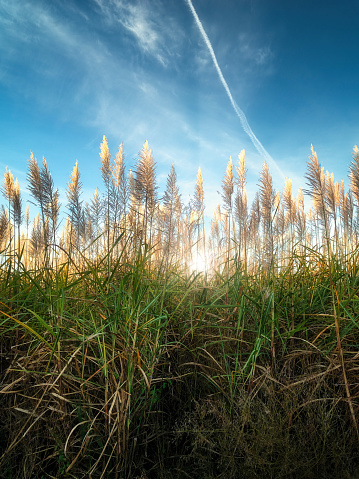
[139, 23]
[41, 30]
[253, 54]
[156, 34]
[59, 57]
[147, 88]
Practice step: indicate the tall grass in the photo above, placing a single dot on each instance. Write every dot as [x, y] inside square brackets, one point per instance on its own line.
[118, 360]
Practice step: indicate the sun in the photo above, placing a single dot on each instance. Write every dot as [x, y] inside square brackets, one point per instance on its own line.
[198, 264]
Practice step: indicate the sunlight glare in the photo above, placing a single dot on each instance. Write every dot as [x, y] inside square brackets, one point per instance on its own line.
[198, 263]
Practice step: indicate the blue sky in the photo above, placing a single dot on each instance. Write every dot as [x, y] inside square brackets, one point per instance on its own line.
[136, 70]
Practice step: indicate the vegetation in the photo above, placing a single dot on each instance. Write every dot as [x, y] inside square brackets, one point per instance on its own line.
[120, 359]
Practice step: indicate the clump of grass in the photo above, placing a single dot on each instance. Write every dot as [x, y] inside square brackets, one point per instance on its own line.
[155, 373]
[119, 361]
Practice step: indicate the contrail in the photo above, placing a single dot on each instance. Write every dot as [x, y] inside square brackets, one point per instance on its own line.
[244, 122]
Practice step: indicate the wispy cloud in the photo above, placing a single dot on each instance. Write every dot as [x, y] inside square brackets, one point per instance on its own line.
[138, 21]
[252, 53]
[64, 66]
[36, 26]
[146, 25]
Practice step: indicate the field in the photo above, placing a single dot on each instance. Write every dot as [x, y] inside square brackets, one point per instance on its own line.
[136, 344]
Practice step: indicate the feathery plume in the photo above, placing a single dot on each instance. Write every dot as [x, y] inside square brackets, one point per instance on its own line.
[354, 174]
[27, 215]
[118, 169]
[172, 210]
[34, 179]
[145, 182]
[317, 184]
[227, 187]
[172, 198]
[300, 217]
[4, 224]
[267, 199]
[146, 188]
[198, 200]
[120, 192]
[105, 161]
[331, 193]
[346, 207]
[8, 186]
[17, 208]
[41, 187]
[267, 196]
[73, 194]
[241, 171]
[287, 195]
